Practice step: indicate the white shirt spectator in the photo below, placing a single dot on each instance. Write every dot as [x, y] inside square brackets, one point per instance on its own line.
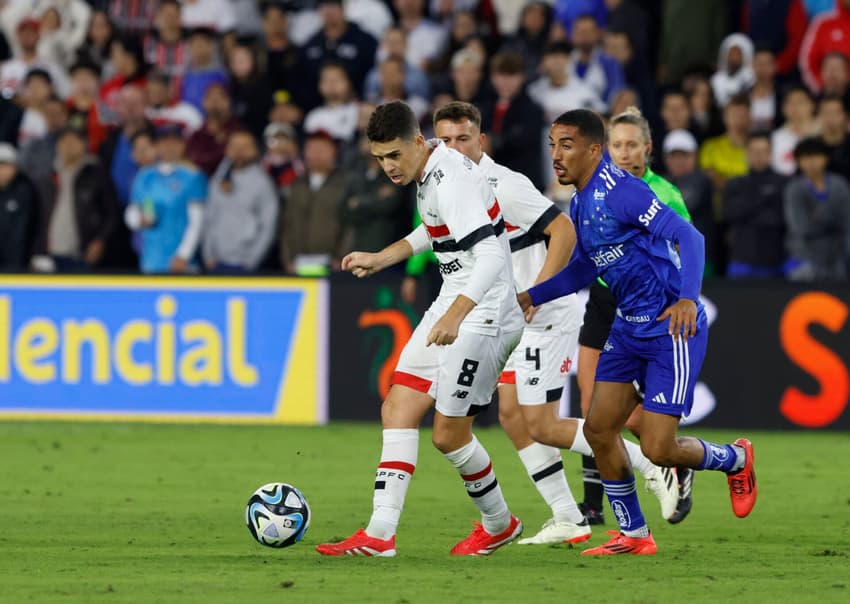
[13, 72]
[181, 113]
[575, 94]
[425, 42]
[339, 121]
[215, 14]
[33, 126]
[372, 16]
[75, 16]
[782, 142]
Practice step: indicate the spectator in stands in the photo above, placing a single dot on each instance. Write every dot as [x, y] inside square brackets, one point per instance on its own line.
[425, 38]
[82, 213]
[311, 234]
[817, 216]
[734, 73]
[798, 109]
[394, 44]
[206, 145]
[835, 72]
[590, 64]
[826, 34]
[764, 95]
[281, 56]
[133, 17]
[282, 160]
[83, 111]
[752, 210]
[161, 109]
[37, 88]
[59, 39]
[14, 71]
[117, 150]
[691, 33]
[165, 47]
[532, 37]
[203, 69]
[706, 119]
[339, 41]
[250, 91]
[680, 149]
[724, 156]
[374, 213]
[514, 121]
[568, 12]
[779, 25]
[38, 155]
[240, 216]
[556, 90]
[392, 88]
[616, 44]
[19, 207]
[167, 207]
[462, 26]
[630, 17]
[98, 43]
[128, 58]
[833, 118]
[467, 81]
[675, 111]
[337, 114]
[216, 15]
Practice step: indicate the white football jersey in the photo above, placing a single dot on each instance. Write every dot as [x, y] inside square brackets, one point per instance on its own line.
[459, 209]
[527, 213]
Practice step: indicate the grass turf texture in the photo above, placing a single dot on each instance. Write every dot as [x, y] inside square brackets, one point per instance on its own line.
[155, 513]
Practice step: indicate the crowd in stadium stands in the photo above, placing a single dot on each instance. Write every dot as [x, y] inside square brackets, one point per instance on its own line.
[226, 136]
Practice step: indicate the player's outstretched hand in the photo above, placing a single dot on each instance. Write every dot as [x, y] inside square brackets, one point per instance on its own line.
[361, 264]
[683, 319]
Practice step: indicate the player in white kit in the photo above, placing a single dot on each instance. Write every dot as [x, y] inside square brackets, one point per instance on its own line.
[541, 239]
[457, 351]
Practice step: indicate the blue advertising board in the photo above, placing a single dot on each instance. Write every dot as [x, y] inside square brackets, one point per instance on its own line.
[163, 348]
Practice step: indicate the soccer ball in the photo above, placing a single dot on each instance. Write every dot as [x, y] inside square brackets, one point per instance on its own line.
[277, 515]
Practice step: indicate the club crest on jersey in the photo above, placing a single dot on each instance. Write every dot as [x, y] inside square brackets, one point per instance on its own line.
[647, 216]
[598, 195]
[607, 256]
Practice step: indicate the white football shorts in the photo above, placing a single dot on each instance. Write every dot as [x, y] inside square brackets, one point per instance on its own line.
[462, 376]
[540, 365]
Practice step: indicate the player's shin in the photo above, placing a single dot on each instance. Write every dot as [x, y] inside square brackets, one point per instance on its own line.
[622, 495]
[546, 469]
[392, 479]
[476, 470]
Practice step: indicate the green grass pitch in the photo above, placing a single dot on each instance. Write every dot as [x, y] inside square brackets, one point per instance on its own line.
[94, 512]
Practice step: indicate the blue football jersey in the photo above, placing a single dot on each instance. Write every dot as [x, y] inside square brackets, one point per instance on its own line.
[624, 231]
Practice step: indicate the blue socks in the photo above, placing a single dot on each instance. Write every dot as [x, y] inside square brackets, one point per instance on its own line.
[719, 457]
[622, 495]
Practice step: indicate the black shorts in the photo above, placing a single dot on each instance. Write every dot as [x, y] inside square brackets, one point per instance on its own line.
[598, 317]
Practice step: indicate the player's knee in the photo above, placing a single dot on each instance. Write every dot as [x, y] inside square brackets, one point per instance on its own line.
[445, 441]
[594, 435]
[658, 451]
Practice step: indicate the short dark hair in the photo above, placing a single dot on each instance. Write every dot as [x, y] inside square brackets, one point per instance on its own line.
[795, 87]
[832, 98]
[147, 131]
[508, 63]
[390, 121]
[587, 122]
[558, 47]
[812, 145]
[760, 135]
[458, 111]
[741, 100]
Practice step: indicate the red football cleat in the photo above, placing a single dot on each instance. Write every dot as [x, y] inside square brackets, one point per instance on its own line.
[621, 544]
[742, 485]
[482, 543]
[360, 544]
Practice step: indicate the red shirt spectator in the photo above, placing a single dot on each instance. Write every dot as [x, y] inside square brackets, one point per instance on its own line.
[828, 33]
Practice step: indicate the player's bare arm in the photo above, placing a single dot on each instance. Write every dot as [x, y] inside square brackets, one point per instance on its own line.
[683, 319]
[562, 240]
[364, 264]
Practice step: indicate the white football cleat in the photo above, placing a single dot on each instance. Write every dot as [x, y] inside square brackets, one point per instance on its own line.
[561, 532]
[662, 483]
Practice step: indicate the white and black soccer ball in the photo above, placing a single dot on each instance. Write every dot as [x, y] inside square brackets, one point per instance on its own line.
[277, 515]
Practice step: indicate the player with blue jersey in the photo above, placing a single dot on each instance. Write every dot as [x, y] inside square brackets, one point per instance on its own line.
[653, 262]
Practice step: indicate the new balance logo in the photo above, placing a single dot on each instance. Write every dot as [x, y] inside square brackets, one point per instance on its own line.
[461, 394]
[659, 398]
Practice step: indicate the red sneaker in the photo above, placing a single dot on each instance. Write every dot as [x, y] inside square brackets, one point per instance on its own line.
[482, 543]
[742, 485]
[359, 544]
[621, 544]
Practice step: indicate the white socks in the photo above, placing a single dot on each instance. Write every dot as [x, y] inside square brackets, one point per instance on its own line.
[546, 470]
[640, 462]
[398, 462]
[473, 464]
